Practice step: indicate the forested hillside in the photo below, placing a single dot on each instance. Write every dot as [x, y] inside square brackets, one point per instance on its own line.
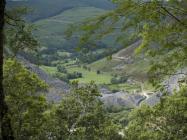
[93, 70]
[47, 8]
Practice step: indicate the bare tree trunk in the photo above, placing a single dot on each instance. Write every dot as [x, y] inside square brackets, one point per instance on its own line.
[6, 130]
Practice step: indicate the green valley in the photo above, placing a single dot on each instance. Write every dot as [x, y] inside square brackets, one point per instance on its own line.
[93, 70]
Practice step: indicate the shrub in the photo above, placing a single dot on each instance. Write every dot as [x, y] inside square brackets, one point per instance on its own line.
[61, 69]
[118, 80]
[74, 75]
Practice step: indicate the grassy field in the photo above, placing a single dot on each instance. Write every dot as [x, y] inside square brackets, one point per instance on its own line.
[49, 70]
[125, 87]
[131, 87]
[104, 64]
[139, 67]
[109, 68]
[88, 76]
[104, 78]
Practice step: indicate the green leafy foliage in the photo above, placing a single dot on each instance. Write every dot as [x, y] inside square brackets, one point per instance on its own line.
[19, 34]
[161, 25]
[119, 80]
[81, 116]
[167, 120]
[61, 69]
[26, 104]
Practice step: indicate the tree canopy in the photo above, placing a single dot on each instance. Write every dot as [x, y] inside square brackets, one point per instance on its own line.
[160, 25]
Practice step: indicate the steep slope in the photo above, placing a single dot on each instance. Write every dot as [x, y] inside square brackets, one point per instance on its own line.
[124, 62]
[57, 88]
[52, 19]
[47, 8]
[51, 31]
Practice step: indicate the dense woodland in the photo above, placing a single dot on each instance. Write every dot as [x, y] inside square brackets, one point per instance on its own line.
[87, 56]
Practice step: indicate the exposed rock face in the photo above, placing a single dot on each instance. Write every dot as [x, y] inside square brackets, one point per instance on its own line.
[173, 82]
[105, 91]
[129, 100]
[153, 99]
[122, 99]
[127, 53]
[57, 88]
